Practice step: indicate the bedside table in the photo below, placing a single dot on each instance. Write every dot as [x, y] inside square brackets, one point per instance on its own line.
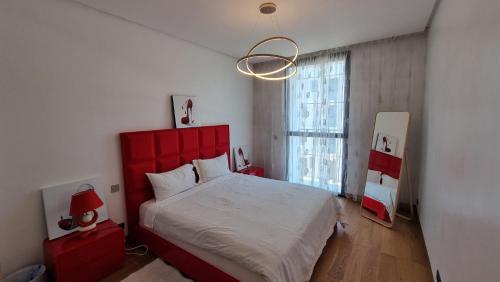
[253, 170]
[71, 258]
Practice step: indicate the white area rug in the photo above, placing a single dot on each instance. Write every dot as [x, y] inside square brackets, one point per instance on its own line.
[156, 270]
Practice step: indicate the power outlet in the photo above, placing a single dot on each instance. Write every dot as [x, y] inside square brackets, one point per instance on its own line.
[438, 276]
[115, 188]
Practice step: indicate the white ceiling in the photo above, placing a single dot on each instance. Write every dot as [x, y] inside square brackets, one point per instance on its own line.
[233, 26]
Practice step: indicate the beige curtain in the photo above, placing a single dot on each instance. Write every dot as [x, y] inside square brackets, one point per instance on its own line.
[269, 124]
[386, 75]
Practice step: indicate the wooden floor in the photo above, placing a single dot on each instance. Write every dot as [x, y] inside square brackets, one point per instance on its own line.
[367, 251]
[362, 251]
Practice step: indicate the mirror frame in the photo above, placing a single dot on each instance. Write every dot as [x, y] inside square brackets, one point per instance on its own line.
[368, 214]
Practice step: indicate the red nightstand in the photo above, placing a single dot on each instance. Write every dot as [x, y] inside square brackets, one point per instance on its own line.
[253, 170]
[71, 258]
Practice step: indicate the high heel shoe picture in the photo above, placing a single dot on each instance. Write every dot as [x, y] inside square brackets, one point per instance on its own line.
[188, 110]
[184, 111]
[386, 144]
[241, 157]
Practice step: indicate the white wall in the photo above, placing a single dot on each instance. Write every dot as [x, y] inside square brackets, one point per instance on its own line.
[71, 79]
[460, 180]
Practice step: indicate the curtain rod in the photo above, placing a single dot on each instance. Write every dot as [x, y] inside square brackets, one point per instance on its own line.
[350, 47]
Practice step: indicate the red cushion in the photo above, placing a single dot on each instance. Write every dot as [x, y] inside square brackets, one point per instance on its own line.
[222, 135]
[385, 163]
[137, 175]
[167, 143]
[140, 146]
[188, 140]
[207, 143]
[207, 137]
[222, 141]
[187, 158]
[168, 163]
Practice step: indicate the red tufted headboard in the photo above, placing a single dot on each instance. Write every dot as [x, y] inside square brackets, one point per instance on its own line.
[387, 164]
[164, 150]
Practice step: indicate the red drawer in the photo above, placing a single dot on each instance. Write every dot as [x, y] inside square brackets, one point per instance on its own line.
[71, 258]
[253, 170]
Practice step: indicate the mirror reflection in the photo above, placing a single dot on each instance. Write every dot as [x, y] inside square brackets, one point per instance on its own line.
[380, 199]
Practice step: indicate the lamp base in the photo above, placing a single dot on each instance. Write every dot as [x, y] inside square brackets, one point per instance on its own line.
[87, 228]
[87, 223]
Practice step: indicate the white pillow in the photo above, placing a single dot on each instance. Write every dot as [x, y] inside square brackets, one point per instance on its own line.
[212, 168]
[388, 181]
[170, 183]
[373, 176]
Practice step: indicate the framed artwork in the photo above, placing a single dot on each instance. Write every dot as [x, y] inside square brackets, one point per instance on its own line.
[241, 157]
[185, 111]
[57, 200]
[386, 144]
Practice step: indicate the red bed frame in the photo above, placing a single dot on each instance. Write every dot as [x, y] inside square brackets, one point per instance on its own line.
[376, 207]
[159, 151]
[386, 164]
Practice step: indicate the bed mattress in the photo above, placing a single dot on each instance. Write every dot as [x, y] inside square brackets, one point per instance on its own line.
[253, 228]
[383, 194]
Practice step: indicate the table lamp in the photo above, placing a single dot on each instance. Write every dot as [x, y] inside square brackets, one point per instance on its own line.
[83, 209]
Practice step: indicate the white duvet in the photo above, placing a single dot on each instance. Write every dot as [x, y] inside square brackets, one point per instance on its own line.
[384, 194]
[273, 228]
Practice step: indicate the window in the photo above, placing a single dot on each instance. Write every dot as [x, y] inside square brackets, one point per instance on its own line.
[317, 112]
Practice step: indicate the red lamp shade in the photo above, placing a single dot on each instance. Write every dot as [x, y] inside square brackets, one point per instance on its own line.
[83, 202]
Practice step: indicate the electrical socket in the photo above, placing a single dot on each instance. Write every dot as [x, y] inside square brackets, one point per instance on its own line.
[115, 188]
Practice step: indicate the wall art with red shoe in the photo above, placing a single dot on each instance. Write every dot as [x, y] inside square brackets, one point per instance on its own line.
[185, 108]
[57, 201]
[241, 157]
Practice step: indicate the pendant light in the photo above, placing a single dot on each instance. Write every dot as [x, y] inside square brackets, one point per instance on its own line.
[245, 67]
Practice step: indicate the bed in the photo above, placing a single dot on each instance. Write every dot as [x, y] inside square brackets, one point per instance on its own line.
[380, 200]
[380, 194]
[235, 227]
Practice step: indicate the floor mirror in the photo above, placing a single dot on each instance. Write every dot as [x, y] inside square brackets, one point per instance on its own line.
[385, 166]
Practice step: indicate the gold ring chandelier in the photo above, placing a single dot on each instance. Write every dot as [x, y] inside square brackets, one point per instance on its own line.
[243, 65]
